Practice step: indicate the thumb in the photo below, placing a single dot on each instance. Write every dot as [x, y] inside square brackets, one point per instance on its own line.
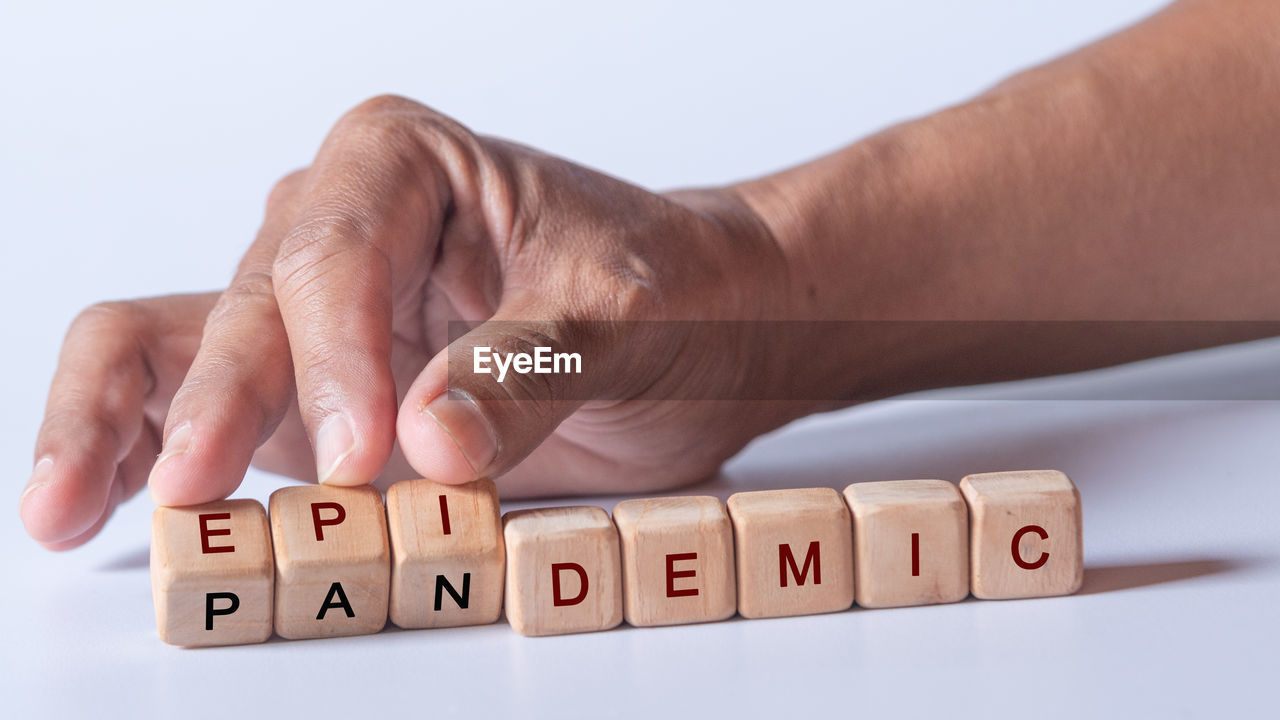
[493, 395]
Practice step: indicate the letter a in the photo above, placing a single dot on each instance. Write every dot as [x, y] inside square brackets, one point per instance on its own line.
[331, 604]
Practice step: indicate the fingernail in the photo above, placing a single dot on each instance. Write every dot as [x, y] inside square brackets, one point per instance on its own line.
[459, 415]
[39, 477]
[334, 442]
[178, 442]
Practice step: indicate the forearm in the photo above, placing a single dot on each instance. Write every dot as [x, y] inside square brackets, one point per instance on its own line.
[1133, 180]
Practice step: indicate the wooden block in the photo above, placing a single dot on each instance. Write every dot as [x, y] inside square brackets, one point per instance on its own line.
[332, 561]
[563, 571]
[910, 543]
[677, 560]
[1026, 536]
[794, 552]
[211, 573]
[448, 559]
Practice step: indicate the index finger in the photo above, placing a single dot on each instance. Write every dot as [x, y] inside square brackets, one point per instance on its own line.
[364, 239]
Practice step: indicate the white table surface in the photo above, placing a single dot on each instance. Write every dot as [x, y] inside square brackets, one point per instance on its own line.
[137, 142]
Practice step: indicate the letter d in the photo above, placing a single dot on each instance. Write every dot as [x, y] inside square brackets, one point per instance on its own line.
[559, 600]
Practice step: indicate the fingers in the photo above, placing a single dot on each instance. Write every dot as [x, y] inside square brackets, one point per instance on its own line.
[240, 383]
[457, 425]
[235, 394]
[362, 241]
[93, 421]
[130, 476]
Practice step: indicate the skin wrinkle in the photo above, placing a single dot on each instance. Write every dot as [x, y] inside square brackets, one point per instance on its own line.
[1132, 179]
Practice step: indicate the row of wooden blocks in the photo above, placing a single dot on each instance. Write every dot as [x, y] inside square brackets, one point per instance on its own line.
[332, 561]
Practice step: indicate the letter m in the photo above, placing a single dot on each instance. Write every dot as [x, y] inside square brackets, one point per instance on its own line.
[787, 560]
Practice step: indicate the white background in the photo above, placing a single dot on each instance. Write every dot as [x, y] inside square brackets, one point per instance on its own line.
[138, 140]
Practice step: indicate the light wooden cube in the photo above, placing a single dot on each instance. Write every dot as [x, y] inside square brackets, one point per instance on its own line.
[1026, 536]
[332, 561]
[910, 543]
[563, 571]
[794, 552]
[211, 573]
[448, 559]
[677, 560]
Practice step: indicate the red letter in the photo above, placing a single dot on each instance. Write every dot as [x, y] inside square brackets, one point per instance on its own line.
[315, 517]
[558, 601]
[1017, 556]
[206, 533]
[672, 575]
[785, 558]
[444, 514]
[915, 554]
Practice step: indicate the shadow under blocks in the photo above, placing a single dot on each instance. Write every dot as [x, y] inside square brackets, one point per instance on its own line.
[326, 561]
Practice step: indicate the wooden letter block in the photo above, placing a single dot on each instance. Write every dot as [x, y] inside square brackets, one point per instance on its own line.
[1026, 536]
[448, 558]
[910, 543]
[211, 574]
[332, 561]
[677, 560]
[794, 552]
[563, 571]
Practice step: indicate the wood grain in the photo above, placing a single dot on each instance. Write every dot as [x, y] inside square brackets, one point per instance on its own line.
[332, 577]
[910, 542]
[448, 555]
[677, 560]
[1025, 534]
[794, 552]
[555, 548]
[197, 566]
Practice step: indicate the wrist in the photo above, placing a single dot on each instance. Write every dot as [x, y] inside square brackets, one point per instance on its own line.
[840, 224]
[868, 252]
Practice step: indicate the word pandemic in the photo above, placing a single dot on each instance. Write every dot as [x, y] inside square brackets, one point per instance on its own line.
[331, 561]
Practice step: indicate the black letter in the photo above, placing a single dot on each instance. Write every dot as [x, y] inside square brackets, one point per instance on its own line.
[443, 584]
[209, 612]
[329, 603]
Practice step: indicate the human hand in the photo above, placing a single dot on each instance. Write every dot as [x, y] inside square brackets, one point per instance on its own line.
[328, 345]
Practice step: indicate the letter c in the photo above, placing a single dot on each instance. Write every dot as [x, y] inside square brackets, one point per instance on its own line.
[1017, 555]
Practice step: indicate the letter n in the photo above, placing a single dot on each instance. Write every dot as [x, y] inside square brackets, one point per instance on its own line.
[443, 586]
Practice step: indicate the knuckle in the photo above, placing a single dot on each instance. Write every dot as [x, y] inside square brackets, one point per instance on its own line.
[251, 296]
[111, 344]
[398, 124]
[286, 187]
[386, 103]
[81, 414]
[249, 388]
[380, 120]
[118, 317]
[251, 285]
[317, 244]
[633, 287]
